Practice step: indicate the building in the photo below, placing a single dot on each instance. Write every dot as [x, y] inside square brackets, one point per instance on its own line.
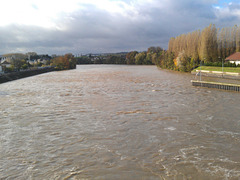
[32, 62]
[5, 64]
[234, 58]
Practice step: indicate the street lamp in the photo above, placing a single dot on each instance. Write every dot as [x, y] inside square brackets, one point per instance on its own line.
[200, 70]
[222, 65]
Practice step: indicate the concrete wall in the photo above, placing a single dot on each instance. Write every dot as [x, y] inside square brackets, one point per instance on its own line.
[227, 75]
[22, 74]
[217, 85]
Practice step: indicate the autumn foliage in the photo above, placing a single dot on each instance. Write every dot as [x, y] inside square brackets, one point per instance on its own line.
[65, 62]
[207, 46]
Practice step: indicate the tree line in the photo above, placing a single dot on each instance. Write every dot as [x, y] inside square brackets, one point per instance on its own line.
[209, 46]
[32, 60]
[102, 59]
[185, 52]
[148, 57]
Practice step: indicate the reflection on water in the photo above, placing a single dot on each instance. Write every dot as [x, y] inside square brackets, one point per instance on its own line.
[117, 122]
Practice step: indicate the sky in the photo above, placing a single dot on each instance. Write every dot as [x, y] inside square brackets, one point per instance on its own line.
[105, 26]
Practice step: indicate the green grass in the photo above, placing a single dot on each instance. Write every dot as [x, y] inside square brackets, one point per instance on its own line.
[225, 69]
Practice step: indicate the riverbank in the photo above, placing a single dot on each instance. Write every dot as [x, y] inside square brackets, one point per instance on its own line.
[220, 74]
[22, 74]
[217, 85]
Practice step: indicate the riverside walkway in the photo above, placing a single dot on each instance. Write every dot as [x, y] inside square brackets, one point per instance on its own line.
[227, 75]
[217, 85]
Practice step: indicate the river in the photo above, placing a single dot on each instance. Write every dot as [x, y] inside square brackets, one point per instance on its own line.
[117, 122]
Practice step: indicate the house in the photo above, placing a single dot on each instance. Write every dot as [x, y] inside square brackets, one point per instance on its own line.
[234, 58]
[6, 58]
[5, 64]
[32, 62]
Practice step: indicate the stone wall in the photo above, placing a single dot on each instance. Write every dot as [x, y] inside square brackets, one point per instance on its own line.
[22, 74]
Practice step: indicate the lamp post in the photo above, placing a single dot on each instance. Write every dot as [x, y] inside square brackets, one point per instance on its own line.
[222, 65]
[200, 70]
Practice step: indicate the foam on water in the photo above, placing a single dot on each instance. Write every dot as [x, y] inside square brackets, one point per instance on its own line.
[117, 122]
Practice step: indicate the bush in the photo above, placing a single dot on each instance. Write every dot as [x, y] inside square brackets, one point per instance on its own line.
[219, 64]
[25, 66]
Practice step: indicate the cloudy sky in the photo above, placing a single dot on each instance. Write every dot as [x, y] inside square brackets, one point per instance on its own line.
[98, 26]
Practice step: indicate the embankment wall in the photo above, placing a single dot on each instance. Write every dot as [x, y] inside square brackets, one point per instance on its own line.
[227, 75]
[22, 74]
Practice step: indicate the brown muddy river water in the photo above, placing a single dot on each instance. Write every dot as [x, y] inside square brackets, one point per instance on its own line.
[117, 122]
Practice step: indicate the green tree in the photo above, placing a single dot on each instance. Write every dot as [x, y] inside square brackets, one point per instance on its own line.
[238, 39]
[83, 60]
[166, 60]
[140, 58]
[130, 57]
[208, 44]
[25, 66]
[223, 43]
[70, 61]
[65, 62]
[148, 59]
[17, 63]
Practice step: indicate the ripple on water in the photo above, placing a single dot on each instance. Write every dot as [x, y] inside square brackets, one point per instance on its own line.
[3, 93]
[117, 122]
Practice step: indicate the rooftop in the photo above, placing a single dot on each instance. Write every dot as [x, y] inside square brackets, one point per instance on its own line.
[234, 57]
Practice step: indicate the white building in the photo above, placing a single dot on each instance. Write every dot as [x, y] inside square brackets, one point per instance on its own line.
[234, 58]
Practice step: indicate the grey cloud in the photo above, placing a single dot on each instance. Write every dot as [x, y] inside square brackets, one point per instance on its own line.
[234, 6]
[30, 38]
[228, 15]
[95, 30]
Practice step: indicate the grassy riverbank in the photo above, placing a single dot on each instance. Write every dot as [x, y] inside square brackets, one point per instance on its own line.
[213, 68]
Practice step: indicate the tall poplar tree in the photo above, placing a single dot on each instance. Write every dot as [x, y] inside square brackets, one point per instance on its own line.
[205, 43]
[238, 39]
[223, 42]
